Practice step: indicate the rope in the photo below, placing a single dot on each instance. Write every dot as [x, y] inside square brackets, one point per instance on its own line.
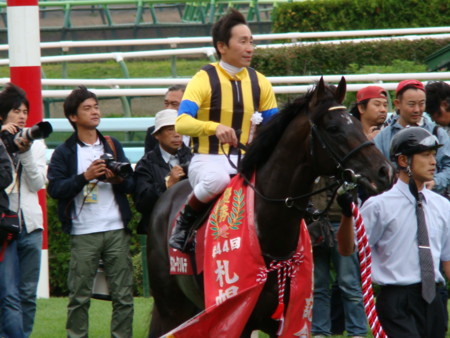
[365, 261]
[285, 268]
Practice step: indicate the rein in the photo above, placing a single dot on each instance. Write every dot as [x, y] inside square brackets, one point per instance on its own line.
[315, 133]
[288, 201]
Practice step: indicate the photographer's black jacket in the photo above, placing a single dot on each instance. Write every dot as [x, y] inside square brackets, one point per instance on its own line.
[150, 174]
[6, 176]
[64, 183]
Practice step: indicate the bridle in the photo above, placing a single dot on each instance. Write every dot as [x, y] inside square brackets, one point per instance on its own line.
[315, 133]
[346, 175]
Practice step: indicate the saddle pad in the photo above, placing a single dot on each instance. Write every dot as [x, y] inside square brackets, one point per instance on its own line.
[235, 273]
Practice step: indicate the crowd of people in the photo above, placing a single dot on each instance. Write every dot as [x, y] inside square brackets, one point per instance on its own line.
[188, 141]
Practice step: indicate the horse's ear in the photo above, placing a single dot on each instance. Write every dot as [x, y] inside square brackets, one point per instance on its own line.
[341, 90]
[319, 92]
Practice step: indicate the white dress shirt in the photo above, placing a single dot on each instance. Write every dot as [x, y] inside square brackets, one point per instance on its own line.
[391, 225]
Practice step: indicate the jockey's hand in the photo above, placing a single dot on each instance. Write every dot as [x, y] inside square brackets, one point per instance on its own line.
[345, 201]
[226, 135]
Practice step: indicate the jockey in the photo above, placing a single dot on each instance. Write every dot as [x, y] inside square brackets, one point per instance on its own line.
[221, 98]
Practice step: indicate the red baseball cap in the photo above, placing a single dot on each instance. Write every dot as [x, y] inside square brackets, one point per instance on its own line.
[411, 83]
[371, 92]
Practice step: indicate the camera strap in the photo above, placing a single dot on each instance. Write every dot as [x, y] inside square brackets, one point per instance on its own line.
[111, 145]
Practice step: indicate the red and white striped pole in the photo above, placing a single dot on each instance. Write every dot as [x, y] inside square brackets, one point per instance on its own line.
[365, 261]
[25, 72]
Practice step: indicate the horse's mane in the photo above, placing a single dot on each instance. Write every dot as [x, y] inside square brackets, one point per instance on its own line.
[270, 133]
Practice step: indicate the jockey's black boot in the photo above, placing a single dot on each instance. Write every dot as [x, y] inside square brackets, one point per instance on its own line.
[185, 220]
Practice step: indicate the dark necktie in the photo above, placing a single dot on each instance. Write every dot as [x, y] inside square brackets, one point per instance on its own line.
[425, 257]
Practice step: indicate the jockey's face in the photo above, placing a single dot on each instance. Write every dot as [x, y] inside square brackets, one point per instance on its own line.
[239, 50]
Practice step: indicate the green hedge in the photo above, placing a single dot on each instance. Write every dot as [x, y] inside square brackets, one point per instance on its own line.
[340, 59]
[331, 15]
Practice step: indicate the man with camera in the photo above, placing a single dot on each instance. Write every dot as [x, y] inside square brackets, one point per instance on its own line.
[27, 151]
[161, 167]
[9, 274]
[93, 208]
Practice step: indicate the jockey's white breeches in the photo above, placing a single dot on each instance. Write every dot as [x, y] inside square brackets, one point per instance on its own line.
[209, 175]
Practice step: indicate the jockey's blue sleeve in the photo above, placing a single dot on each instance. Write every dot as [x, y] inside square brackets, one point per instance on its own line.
[188, 107]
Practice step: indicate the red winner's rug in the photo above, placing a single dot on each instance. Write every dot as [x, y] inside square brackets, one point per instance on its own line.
[235, 273]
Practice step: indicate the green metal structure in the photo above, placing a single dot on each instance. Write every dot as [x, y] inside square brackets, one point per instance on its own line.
[439, 60]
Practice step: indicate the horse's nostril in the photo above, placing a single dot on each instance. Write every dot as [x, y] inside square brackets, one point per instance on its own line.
[383, 172]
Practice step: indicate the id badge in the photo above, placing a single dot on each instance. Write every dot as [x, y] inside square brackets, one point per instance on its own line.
[91, 193]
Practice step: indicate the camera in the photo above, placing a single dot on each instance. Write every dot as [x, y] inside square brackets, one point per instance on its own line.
[121, 169]
[38, 131]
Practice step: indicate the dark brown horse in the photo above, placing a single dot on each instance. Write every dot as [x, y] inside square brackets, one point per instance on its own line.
[311, 137]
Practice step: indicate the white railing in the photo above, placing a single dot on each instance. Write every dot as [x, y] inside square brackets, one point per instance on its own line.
[210, 52]
[387, 81]
[377, 77]
[173, 42]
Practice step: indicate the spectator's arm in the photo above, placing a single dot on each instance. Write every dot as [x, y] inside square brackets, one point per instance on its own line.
[6, 171]
[346, 236]
[147, 188]
[446, 268]
[61, 184]
[127, 185]
[34, 166]
[442, 175]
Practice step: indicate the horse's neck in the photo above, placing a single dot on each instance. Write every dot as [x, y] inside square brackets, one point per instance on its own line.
[288, 173]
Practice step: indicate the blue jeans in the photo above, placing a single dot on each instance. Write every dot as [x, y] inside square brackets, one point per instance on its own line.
[10, 307]
[29, 247]
[348, 279]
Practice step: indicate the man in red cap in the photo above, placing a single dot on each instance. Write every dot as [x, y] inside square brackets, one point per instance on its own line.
[371, 109]
[410, 106]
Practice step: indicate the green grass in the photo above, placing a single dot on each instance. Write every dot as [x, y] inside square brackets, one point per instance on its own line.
[52, 313]
[51, 318]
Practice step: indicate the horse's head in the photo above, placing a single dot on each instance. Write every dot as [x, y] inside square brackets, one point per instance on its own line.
[339, 144]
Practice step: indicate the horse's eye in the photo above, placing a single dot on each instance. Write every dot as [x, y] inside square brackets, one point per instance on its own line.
[332, 129]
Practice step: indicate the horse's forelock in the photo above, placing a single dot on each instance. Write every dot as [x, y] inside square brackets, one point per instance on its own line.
[323, 106]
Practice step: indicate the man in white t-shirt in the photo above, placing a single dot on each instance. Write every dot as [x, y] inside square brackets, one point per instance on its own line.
[94, 210]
